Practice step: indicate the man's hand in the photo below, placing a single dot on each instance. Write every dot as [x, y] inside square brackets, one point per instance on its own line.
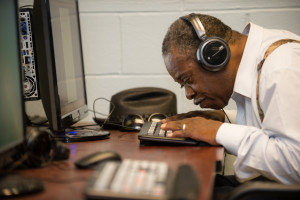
[208, 114]
[198, 128]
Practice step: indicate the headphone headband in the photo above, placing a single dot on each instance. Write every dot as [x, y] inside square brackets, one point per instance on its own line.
[198, 26]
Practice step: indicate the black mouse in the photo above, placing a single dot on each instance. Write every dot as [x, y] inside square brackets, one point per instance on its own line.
[92, 160]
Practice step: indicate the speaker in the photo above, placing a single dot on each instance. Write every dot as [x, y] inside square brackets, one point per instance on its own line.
[41, 148]
[213, 53]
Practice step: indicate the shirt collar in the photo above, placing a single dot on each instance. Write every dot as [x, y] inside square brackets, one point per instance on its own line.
[246, 74]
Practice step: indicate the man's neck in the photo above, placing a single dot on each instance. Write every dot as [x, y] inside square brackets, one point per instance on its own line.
[237, 50]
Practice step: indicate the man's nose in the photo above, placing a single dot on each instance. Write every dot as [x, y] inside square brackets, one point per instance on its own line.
[189, 92]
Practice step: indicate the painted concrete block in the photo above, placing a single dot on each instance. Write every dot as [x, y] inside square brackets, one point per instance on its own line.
[101, 41]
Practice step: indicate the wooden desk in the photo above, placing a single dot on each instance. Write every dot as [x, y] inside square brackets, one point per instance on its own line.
[64, 182]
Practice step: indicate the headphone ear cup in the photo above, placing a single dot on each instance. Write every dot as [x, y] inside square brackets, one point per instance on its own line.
[61, 152]
[213, 54]
[39, 147]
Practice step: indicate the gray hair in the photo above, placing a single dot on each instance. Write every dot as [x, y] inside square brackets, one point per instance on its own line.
[182, 36]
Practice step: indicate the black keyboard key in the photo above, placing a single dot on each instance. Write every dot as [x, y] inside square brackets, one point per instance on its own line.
[151, 134]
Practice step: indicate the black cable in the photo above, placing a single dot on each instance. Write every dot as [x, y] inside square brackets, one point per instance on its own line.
[225, 152]
[108, 116]
[226, 115]
[94, 110]
[105, 120]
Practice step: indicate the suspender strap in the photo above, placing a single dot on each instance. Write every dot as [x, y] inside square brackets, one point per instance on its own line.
[259, 67]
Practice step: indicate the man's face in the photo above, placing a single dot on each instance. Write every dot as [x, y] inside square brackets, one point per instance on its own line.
[207, 89]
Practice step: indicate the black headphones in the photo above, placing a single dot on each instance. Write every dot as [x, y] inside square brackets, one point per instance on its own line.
[42, 148]
[213, 53]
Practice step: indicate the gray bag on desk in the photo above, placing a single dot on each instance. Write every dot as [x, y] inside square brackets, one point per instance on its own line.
[143, 101]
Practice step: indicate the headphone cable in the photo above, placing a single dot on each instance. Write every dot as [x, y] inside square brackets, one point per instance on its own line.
[226, 115]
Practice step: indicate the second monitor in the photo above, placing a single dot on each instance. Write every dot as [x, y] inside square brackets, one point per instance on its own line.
[60, 65]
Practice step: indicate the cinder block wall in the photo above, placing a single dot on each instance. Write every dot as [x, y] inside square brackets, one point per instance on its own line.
[122, 39]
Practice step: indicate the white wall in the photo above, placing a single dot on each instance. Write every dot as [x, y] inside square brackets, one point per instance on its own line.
[122, 38]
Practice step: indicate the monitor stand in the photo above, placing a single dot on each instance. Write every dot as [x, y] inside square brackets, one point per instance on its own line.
[77, 135]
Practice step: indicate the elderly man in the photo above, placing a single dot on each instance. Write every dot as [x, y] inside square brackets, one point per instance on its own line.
[260, 71]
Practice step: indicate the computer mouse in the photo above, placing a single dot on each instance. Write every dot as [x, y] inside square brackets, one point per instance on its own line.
[92, 160]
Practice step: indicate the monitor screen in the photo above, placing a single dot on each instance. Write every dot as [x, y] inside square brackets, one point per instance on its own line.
[60, 62]
[11, 101]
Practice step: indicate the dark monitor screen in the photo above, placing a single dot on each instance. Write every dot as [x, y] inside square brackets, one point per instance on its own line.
[67, 53]
[11, 101]
[60, 62]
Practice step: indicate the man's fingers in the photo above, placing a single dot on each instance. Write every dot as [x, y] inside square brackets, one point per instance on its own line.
[176, 129]
[172, 125]
[177, 134]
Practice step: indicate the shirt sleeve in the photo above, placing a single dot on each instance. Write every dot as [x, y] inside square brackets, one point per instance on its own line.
[272, 150]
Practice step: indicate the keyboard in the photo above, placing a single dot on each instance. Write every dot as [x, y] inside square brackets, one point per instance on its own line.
[151, 134]
[130, 179]
[141, 179]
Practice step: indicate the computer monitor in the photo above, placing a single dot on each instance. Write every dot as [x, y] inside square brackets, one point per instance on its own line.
[11, 102]
[57, 36]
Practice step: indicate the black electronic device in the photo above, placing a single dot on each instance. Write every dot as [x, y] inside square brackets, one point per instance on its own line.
[30, 83]
[60, 67]
[41, 147]
[186, 185]
[142, 179]
[213, 53]
[12, 185]
[12, 128]
[151, 134]
[96, 158]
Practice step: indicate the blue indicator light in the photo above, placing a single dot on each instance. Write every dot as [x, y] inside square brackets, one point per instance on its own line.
[72, 132]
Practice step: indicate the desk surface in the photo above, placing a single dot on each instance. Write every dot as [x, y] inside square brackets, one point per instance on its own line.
[63, 181]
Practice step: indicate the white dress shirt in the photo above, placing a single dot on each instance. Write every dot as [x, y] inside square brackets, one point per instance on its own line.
[270, 148]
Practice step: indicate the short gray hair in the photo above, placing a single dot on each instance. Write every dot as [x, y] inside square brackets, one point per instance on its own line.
[182, 36]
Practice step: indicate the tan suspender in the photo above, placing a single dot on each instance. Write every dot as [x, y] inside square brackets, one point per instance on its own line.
[259, 67]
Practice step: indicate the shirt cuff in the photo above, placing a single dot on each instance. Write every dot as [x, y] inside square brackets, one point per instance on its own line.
[230, 137]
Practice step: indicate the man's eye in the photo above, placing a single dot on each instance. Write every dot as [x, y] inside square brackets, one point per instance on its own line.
[187, 82]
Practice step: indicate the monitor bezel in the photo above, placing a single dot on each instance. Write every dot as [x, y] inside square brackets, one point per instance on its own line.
[47, 69]
[8, 153]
